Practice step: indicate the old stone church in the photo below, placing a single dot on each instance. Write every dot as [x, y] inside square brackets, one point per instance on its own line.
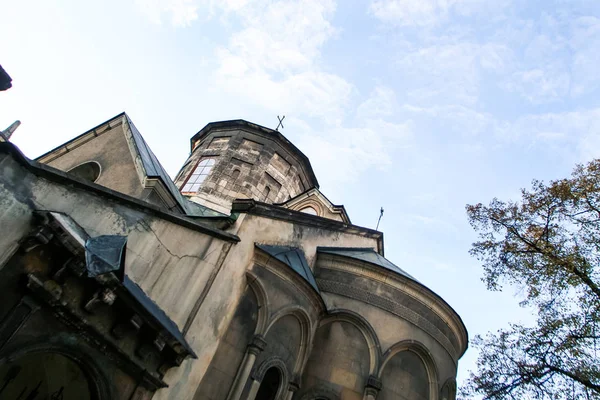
[238, 279]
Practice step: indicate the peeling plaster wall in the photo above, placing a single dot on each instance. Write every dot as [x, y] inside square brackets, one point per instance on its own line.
[197, 279]
[221, 302]
[170, 262]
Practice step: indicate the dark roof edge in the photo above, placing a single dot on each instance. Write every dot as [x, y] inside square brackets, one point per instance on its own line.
[80, 136]
[241, 123]
[58, 176]
[437, 296]
[254, 207]
[314, 290]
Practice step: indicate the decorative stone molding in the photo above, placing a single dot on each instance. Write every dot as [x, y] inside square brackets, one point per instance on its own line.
[320, 392]
[267, 364]
[365, 329]
[374, 383]
[257, 345]
[286, 274]
[259, 374]
[306, 330]
[448, 389]
[263, 302]
[293, 386]
[423, 353]
[407, 286]
[390, 306]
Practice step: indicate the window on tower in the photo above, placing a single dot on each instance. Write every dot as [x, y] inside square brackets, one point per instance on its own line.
[198, 175]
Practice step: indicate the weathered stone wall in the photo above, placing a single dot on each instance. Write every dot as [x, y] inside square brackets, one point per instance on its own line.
[111, 150]
[171, 262]
[247, 165]
[220, 375]
[404, 378]
[339, 362]
[231, 282]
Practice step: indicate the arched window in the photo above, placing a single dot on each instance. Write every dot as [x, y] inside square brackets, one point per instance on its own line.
[266, 193]
[269, 385]
[309, 210]
[44, 376]
[235, 174]
[198, 175]
[89, 171]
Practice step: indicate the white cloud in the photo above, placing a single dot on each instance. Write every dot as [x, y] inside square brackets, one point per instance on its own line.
[428, 13]
[381, 103]
[273, 59]
[450, 72]
[181, 12]
[342, 154]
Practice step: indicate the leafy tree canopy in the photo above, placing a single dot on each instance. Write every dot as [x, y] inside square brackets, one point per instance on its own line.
[548, 245]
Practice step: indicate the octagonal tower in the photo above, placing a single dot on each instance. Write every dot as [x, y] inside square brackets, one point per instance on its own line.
[238, 159]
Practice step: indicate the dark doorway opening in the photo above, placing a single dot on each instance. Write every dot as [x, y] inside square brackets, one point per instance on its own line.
[269, 385]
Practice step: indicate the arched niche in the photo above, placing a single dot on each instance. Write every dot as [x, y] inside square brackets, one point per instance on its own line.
[408, 372]
[284, 339]
[47, 375]
[448, 391]
[304, 330]
[89, 171]
[340, 359]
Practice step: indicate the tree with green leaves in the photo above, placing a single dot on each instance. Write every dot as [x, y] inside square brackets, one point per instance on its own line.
[547, 245]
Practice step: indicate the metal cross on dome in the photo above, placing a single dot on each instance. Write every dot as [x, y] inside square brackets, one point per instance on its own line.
[280, 123]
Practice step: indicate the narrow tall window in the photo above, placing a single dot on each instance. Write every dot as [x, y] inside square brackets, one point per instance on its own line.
[198, 175]
[266, 193]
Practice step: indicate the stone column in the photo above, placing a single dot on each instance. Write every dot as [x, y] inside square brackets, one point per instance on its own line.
[372, 388]
[253, 389]
[292, 388]
[257, 344]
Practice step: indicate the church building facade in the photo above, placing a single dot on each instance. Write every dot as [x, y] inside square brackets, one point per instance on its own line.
[236, 280]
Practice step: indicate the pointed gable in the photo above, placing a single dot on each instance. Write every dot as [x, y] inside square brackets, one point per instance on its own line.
[314, 202]
[125, 163]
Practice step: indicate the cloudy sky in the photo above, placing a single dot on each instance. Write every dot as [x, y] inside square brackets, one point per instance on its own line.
[419, 106]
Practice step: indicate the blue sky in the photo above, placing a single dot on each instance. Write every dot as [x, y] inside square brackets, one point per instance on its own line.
[419, 106]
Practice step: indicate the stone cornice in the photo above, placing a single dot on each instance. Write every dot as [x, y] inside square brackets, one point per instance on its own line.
[253, 207]
[403, 284]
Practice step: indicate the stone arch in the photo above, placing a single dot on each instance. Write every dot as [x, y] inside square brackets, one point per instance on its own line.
[312, 203]
[423, 354]
[365, 328]
[448, 391]
[88, 170]
[305, 333]
[273, 362]
[98, 383]
[345, 350]
[320, 392]
[263, 303]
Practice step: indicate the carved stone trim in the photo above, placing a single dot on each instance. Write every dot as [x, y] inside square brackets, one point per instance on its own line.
[374, 383]
[257, 345]
[320, 391]
[261, 370]
[389, 306]
[286, 274]
[406, 285]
